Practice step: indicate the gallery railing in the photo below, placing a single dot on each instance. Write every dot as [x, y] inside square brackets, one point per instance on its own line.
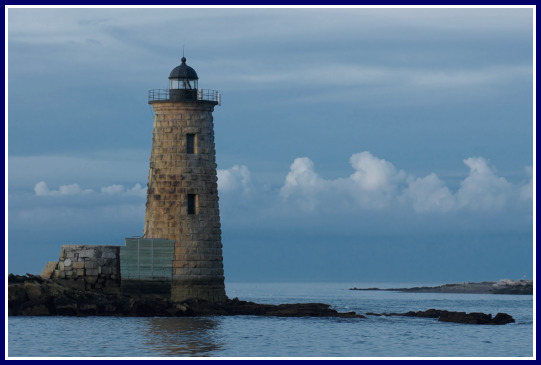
[184, 94]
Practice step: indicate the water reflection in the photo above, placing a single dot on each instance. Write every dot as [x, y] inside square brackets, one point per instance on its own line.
[183, 336]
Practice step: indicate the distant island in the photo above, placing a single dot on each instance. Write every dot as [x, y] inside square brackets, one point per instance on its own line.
[505, 286]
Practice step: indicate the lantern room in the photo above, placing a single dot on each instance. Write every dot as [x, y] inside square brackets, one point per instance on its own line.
[183, 87]
[183, 77]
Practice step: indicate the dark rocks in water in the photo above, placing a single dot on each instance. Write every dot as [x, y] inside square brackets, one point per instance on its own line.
[33, 296]
[240, 307]
[456, 317]
[476, 318]
[430, 313]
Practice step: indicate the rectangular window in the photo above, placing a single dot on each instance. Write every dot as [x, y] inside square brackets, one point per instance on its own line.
[190, 143]
[192, 204]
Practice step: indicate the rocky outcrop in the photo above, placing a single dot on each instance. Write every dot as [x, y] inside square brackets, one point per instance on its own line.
[33, 296]
[522, 287]
[240, 307]
[457, 317]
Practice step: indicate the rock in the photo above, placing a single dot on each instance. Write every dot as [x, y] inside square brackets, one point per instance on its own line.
[468, 318]
[65, 306]
[430, 313]
[31, 295]
[476, 318]
[54, 289]
[49, 269]
[36, 310]
[503, 318]
[15, 279]
[64, 297]
[76, 284]
[239, 307]
[16, 298]
[33, 290]
[178, 310]
[78, 265]
[456, 317]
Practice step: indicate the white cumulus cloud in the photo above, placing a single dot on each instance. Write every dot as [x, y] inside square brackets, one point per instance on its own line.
[429, 194]
[303, 183]
[235, 179]
[372, 173]
[371, 185]
[41, 189]
[377, 184]
[302, 178]
[482, 189]
[374, 182]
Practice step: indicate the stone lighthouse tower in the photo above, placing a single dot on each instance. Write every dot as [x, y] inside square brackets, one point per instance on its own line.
[182, 195]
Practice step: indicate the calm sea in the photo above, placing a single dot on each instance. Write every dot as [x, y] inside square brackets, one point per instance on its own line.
[252, 336]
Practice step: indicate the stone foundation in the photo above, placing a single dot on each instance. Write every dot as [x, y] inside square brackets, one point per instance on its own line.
[87, 267]
[211, 289]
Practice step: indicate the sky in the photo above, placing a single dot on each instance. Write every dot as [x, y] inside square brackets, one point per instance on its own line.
[352, 144]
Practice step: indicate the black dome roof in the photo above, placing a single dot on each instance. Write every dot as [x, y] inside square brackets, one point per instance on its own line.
[183, 71]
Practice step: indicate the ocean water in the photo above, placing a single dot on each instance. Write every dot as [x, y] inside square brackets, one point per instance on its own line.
[253, 336]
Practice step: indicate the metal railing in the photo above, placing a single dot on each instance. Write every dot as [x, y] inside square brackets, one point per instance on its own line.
[171, 94]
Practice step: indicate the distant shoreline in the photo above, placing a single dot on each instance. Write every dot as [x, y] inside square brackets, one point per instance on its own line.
[520, 287]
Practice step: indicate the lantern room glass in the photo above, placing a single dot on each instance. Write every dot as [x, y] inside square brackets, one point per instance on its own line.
[182, 84]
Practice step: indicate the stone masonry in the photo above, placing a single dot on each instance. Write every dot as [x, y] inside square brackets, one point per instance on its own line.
[88, 267]
[182, 197]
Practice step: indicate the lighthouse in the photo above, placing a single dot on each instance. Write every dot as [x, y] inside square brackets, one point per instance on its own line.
[182, 192]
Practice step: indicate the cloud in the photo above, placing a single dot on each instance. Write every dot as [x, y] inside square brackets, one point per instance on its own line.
[377, 184]
[114, 189]
[235, 179]
[429, 194]
[345, 74]
[372, 173]
[374, 182]
[118, 165]
[137, 190]
[303, 184]
[371, 185]
[303, 178]
[482, 189]
[42, 189]
[526, 191]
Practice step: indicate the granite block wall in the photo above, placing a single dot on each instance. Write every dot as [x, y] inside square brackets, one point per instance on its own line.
[88, 267]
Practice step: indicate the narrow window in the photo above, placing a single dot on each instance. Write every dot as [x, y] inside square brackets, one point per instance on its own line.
[192, 204]
[190, 143]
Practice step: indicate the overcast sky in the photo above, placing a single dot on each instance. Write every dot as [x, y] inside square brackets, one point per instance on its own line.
[352, 144]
